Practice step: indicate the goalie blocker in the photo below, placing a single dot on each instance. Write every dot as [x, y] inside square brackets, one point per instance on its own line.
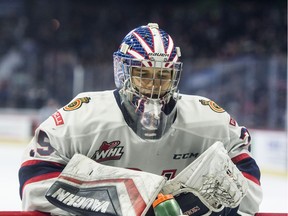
[89, 188]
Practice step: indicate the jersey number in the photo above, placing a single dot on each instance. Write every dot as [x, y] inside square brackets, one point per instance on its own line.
[46, 148]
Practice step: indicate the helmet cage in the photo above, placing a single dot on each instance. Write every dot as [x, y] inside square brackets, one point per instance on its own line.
[123, 67]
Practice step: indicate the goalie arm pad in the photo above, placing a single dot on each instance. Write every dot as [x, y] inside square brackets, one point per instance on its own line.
[86, 187]
[212, 178]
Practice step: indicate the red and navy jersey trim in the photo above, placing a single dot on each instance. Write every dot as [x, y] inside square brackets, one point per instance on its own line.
[248, 167]
[37, 170]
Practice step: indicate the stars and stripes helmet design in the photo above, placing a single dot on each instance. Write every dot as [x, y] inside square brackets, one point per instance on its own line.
[147, 72]
[146, 46]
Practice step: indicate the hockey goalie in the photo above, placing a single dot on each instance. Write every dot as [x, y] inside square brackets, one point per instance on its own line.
[112, 152]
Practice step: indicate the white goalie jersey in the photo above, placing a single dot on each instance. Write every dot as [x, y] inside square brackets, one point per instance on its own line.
[93, 125]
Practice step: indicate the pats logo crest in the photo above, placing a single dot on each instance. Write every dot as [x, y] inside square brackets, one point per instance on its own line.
[76, 104]
[212, 105]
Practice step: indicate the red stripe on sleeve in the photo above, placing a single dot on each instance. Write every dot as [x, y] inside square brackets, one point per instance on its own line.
[33, 162]
[251, 178]
[240, 158]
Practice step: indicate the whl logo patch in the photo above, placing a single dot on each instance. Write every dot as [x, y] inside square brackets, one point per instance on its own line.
[108, 151]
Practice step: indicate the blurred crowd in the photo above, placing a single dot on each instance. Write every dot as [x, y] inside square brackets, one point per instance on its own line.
[42, 43]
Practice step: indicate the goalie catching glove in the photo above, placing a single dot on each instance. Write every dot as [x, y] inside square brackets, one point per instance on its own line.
[211, 184]
[86, 187]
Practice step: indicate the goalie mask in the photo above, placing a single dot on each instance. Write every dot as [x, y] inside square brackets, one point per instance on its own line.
[147, 72]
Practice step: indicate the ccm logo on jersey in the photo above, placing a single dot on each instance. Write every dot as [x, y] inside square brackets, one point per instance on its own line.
[108, 151]
[185, 156]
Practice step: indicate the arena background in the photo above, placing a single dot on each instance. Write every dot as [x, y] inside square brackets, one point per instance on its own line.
[234, 52]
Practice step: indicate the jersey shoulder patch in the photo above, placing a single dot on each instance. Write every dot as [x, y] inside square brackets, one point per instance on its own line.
[76, 103]
[215, 107]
